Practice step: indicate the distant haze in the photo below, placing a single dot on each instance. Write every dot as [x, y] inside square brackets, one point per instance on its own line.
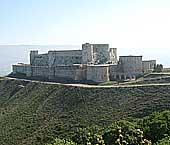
[12, 54]
[135, 27]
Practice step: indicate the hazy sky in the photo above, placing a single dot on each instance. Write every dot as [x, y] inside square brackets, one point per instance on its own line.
[121, 23]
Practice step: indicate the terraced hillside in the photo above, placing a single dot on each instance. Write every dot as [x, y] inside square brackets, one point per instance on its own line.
[34, 113]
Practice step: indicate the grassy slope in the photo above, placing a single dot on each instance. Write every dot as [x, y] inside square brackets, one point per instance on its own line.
[30, 114]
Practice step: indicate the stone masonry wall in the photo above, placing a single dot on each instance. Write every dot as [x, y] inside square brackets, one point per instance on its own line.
[64, 57]
[87, 54]
[40, 71]
[95, 62]
[101, 53]
[40, 60]
[98, 73]
[131, 64]
[98, 54]
[148, 65]
[113, 55]
[74, 72]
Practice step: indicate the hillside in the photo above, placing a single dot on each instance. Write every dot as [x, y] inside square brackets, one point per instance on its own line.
[36, 113]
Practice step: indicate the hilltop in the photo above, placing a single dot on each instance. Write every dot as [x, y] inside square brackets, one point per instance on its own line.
[36, 113]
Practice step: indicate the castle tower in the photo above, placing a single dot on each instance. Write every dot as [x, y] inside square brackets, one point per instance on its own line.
[33, 54]
[95, 53]
[113, 55]
[101, 53]
[131, 64]
[87, 53]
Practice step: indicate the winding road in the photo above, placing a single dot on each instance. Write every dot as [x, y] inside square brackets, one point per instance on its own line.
[93, 86]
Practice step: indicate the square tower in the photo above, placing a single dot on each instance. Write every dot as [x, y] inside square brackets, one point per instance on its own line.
[33, 54]
[87, 53]
[95, 53]
[113, 56]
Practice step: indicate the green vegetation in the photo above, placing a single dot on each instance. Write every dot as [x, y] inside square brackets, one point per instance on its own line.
[158, 68]
[62, 142]
[37, 113]
[164, 141]
[154, 128]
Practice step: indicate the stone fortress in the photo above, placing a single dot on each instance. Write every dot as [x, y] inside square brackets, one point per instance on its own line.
[94, 63]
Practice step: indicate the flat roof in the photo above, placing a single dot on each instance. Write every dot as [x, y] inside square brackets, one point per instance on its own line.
[21, 64]
[96, 43]
[98, 65]
[148, 60]
[132, 56]
[64, 50]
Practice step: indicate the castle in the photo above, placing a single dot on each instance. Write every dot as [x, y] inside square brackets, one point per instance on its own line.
[95, 62]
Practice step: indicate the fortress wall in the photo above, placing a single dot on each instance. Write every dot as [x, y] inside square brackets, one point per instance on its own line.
[67, 60]
[131, 64]
[40, 60]
[64, 57]
[113, 71]
[98, 73]
[51, 73]
[51, 58]
[40, 71]
[67, 53]
[18, 69]
[81, 73]
[77, 64]
[65, 72]
[152, 64]
[74, 72]
[21, 69]
[33, 71]
[148, 65]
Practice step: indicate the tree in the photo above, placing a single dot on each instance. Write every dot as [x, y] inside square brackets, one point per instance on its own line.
[158, 68]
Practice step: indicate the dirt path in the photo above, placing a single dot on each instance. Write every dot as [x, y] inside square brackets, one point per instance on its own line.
[93, 86]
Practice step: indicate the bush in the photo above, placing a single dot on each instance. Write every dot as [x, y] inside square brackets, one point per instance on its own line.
[62, 142]
[156, 126]
[165, 141]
